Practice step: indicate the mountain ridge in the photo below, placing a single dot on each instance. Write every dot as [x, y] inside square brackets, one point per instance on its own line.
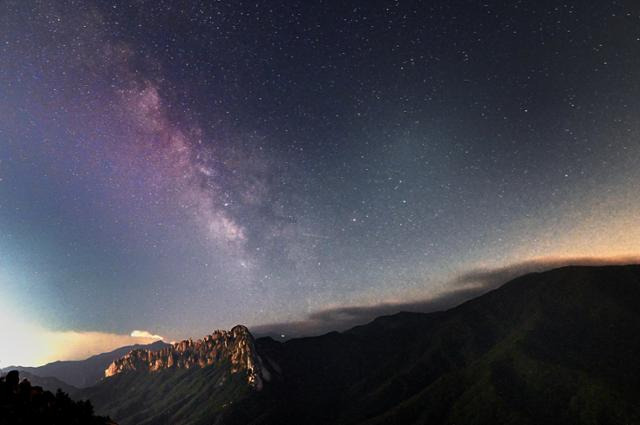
[81, 373]
[554, 347]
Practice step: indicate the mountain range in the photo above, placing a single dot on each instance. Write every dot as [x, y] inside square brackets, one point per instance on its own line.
[558, 347]
[76, 373]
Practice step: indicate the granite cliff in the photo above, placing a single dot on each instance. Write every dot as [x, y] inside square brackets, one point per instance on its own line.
[235, 347]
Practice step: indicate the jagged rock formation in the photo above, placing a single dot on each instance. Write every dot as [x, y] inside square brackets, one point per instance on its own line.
[235, 346]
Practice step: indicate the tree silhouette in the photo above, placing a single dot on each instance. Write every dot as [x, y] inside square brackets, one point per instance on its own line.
[22, 403]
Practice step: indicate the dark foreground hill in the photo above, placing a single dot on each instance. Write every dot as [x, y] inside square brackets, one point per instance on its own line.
[559, 347]
[24, 404]
[47, 383]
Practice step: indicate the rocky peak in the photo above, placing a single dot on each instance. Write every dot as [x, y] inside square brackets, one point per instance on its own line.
[235, 347]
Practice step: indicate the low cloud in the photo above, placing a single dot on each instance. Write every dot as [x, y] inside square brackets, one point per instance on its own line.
[342, 318]
[71, 345]
[144, 334]
[466, 286]
[28, 344]
[490, 278]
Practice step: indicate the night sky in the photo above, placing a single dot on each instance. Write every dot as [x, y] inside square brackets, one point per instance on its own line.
[179, 167]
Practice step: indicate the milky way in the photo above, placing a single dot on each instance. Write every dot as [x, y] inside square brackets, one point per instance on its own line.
[180, 168]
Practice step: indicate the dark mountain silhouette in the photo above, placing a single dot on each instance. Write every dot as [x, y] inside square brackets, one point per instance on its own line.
[23, 403]
[559, 347]
[82, 373]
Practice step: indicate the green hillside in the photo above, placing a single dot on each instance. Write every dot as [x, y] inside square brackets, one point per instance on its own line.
[171, 396]
[554, 347]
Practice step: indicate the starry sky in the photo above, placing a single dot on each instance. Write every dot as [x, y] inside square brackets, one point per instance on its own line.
[178, 167]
